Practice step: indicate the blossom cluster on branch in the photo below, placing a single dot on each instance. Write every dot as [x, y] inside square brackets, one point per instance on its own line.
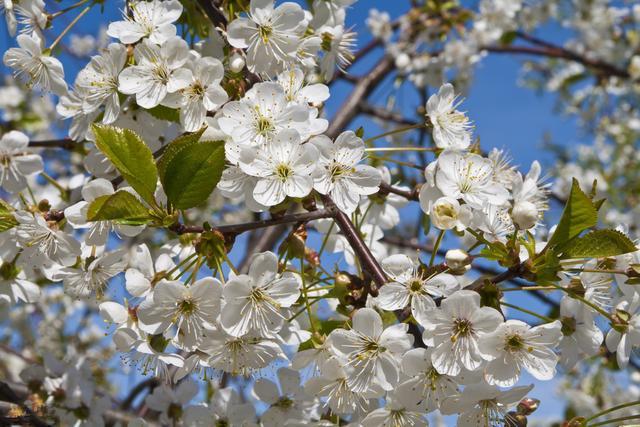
[199, 243]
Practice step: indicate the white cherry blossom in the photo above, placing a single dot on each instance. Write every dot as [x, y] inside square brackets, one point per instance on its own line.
[283, 167]
[514, 346]
[31, 63]
[338, 173]
[16, 162]
[372, 351]
[270, 34]
[409, 288]
[451, 128]
[455, 332]
[158, 71]
[152, 19]
[253, 301]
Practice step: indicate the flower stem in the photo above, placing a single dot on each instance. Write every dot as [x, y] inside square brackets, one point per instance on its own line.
[615, 420]
[180, 264]
[583, 300]
[400, 149]
[71, 24]
[306, 297]
[67, 9]
[612, 409]
[530, 288]
[436, 246]
[595, 270]
[394, 132]
[531, 313]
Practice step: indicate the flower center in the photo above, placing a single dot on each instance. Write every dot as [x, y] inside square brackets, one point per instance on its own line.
[264, 125]
[415, 285]
[196, 90]
[265, 31]
[162, 74]
[284, 171]
[336, 170]
[514, 343]
[461, 328]
[445, 210]
[327, 39]
[187, 307]
[284, 402]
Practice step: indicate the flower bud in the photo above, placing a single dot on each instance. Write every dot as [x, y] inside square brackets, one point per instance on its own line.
[236, 62]
[524, 215]
[402, 61]
[458, 261]
[528, 406]
[445, 213]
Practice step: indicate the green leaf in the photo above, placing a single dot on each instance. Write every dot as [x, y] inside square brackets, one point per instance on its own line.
[579, 214]
[165, 113]
[7, 220]
[495, 251]
[173, 148]
[508, 38]
[121, 207]
[599, 244]
[192, 173]
[131, 156]
[546, 267]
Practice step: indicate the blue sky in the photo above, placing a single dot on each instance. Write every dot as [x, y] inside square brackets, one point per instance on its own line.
[505, 114]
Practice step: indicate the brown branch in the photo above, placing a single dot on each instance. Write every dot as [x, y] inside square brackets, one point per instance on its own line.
[562, 53]
[360, 248]
[350, 108]
[407, 194]
[214, 14]
[383, 114]
[149, 383]
[235, 229]
[64, 143]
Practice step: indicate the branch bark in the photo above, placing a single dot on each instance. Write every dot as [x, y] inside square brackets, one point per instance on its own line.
[350, 108]
[360, 248]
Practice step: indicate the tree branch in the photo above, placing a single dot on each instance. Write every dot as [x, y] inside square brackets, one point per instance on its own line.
[350, 108]
[360, 248]
[214, 14]
[235, 229]
[383, 114]
[558, 52]
[64, 143]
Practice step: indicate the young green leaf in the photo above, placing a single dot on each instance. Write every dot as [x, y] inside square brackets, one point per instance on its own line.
[131, 156]
[192, 173]
[174, 147]
[121, 207]
[599, 244]
[579, 214]
[165, 113]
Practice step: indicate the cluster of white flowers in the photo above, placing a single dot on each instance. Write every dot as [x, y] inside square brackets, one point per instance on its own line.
[386, 335]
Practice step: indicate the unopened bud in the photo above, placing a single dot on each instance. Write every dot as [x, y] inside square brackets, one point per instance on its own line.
[524, 215]
[402, 61]
[44, 205]
[528, 406]
[458, 261]
[236, 62]
[446, 213]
